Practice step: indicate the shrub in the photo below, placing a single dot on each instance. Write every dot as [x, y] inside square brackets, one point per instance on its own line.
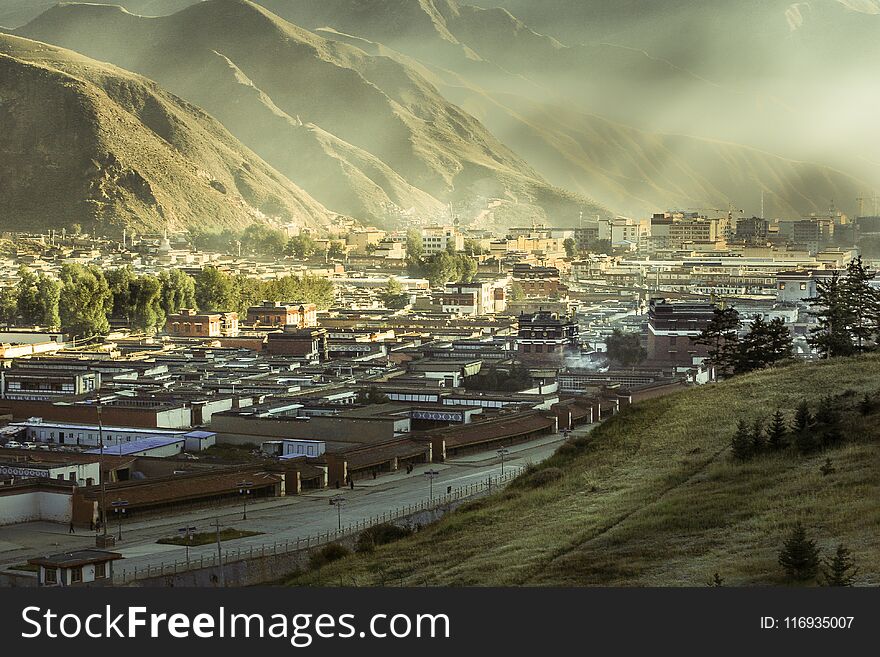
[380, 535]
[328, 554]
[542, 477]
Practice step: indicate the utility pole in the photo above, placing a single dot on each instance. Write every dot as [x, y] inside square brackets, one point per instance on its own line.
[220, 553]
[337, 501]
[101, 472]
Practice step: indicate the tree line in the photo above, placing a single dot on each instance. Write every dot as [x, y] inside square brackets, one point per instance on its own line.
[762, 345]
[83, 299]
[439, 268]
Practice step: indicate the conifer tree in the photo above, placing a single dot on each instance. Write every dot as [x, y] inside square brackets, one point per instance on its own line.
[866, 406]
[803, 419]
[759, 443]
[840, 570]
[741, 445]
[863, 301]
[721, 339]
[799, 555]
[776, 432]
[827, 468]
[833, 311]
[717, 580]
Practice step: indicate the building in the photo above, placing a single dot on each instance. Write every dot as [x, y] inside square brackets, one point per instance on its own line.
[38, 466]
[78, 568]
[546, 336]
[436, 239]
[277, 314]
[306, 343]
[189, 323]
[87, 435]
[670, 329]
[800, 285]
[37, 384]
[752, 230]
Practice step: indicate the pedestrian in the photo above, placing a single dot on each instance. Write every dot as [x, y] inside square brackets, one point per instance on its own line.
[70, 529]
[351, 483]
[337, 484]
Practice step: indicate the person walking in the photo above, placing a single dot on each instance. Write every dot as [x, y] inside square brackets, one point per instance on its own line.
[71, 530]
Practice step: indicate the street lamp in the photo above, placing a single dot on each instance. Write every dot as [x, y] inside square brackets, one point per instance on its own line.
[119, 510]
[187, 533]
[244, 489]
[502, 453]
[338, 501]
[430, 474]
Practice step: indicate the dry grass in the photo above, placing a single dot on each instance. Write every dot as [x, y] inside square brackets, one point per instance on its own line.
[653, 498]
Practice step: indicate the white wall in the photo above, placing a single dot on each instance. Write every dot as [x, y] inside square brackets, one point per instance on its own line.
[35, 505]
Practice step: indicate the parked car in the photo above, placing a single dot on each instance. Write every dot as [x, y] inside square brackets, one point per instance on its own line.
[29, 445]
[12, 444]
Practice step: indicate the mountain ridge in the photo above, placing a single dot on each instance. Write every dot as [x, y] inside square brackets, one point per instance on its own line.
[100, 146]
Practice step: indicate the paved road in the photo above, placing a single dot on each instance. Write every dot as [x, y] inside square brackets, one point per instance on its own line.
[280, 519]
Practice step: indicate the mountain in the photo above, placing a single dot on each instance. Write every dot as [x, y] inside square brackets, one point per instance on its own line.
[91, 144]
[366, 135]
[652, 497]
[15, 13]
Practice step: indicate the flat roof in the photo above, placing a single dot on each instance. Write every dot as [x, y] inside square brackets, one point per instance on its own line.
[136, 446]
[75, 558]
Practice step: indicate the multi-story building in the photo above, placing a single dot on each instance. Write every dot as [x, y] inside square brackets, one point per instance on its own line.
[44, 383]
[190, 323]
[670, 329]
[753, 230]
[307, 343]
[436, 239]
[277, 314]
[546, 337]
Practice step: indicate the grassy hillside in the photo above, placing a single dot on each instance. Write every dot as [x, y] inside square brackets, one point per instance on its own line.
[653, 497]
[88, 143]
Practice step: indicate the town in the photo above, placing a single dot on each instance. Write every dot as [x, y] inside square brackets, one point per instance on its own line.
[181, 405]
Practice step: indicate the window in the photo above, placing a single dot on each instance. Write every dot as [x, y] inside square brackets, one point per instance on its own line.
[782, 286]
[100, 570]
[51, 576]
[803, 286]
[76, 574]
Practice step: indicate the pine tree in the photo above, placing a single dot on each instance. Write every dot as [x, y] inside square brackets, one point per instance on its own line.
[721, 339]
[806, 442]
[803, 419]
[758, 441]
[741, 445]
[717, 580]
[863, 301]
[799, 555]
[832, 308]
[828, 421]
[776, 432]
[840, 570]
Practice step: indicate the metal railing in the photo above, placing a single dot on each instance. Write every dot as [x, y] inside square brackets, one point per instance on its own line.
[126, 576]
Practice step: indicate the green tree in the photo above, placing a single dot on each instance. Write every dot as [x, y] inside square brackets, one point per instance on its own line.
[336, 251]
[840, 570]
[8, 306]
[741, 445]
[261, 239]
[799, 556]
[834, 314]
[721, 339]
[215, 291]
[37, 299]
[863, 301]
[472, 248]
[178, 291]
[393, 296]
[119, 281]
[759, 442]
[625, 348]
[570, 247]
[777, 432]
[301, 246]
[415, 247]
[85, 301]
[765, 344]
[517, 292]
[147, 312]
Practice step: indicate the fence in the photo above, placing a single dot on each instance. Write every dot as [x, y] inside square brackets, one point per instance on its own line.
[276, 548]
